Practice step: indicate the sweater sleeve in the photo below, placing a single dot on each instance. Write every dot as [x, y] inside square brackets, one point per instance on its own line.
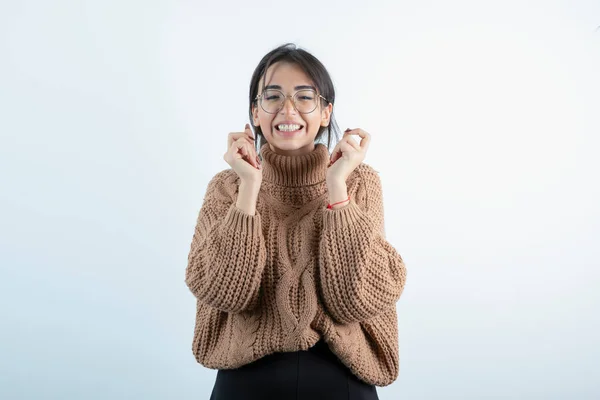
[227, 253]
[361, 273]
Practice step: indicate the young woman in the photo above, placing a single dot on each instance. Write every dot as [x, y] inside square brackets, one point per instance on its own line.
[296, 285]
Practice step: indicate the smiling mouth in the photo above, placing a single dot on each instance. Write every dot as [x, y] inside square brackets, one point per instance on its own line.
[278, 130]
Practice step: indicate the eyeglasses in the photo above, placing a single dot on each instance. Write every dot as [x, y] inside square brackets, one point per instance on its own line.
[304, 101]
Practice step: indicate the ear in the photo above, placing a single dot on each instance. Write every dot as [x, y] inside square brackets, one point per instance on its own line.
[255, 119]
[326, 114]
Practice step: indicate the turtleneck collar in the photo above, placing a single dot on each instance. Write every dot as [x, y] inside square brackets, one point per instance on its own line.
[302, 170]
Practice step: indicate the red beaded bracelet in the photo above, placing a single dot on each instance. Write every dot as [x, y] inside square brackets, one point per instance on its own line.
[330, 206]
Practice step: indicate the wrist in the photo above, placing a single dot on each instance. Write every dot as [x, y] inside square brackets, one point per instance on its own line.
[338, 204]
[338, 194]
[250, 185]
[247, 197]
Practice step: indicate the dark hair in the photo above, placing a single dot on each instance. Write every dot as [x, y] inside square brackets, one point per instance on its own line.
[315, 70]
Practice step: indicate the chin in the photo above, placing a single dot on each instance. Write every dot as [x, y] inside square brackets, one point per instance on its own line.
[291, 143]
[287, 144]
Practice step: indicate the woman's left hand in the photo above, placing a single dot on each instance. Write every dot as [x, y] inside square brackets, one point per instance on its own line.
[347, 155]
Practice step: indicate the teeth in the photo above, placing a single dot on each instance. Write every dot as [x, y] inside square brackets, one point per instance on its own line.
[285, 127]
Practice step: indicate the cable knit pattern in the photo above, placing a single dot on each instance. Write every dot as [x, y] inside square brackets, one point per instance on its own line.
[362, 274]
[296, 271]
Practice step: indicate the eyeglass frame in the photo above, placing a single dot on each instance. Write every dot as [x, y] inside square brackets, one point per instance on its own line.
[259, 96]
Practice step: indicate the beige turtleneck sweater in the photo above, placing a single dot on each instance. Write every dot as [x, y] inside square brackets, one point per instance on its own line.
[295, 271]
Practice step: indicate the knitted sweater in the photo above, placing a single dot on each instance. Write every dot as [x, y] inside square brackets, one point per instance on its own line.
[296, 271]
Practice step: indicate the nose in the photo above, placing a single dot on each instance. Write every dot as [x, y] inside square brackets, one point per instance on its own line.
[288, 106]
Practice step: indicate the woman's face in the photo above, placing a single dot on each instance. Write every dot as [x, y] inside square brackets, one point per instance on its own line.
[288, 76]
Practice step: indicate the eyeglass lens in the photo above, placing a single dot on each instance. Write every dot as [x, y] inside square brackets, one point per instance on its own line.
[304, 100]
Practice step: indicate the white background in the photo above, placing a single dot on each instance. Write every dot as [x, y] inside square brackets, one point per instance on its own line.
[485, 123]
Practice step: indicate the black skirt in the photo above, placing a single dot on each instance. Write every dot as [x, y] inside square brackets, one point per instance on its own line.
[314, 374]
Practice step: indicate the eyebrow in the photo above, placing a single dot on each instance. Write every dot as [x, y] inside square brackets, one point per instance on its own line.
[295, 88]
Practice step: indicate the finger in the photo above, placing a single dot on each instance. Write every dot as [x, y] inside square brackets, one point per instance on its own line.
[248, 130]
[365, 140]
[254, 156]
[346, 144]
[337, 155]
[334, 154]
[350, 140]
[345, 147]
[248, 152]
[349, 132]
[243, 147]
[252, 159]
[236, 150]
[233, 136]
[364, 135]
[232, 153]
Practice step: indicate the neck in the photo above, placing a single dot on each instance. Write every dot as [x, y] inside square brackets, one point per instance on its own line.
[304, 169]
[294, 152]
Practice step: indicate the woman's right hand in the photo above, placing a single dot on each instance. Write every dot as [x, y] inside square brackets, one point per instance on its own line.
[241, 156]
